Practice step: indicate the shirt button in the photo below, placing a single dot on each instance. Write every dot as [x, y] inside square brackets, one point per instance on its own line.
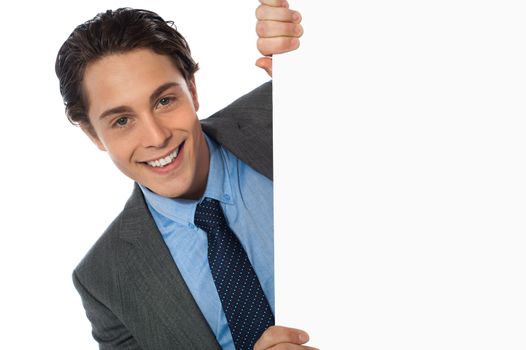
[191, 226]
[226, 197]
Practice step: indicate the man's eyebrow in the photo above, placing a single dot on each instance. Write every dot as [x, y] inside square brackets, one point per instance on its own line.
[158, 92]
[116, 110]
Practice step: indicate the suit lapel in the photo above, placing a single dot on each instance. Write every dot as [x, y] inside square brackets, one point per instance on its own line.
[154, 275]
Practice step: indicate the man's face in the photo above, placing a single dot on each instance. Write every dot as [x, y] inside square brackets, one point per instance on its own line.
[143, 114]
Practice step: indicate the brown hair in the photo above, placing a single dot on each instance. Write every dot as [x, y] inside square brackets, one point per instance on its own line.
[109, 32]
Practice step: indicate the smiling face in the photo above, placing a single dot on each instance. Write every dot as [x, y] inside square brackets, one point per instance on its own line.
[143, 113]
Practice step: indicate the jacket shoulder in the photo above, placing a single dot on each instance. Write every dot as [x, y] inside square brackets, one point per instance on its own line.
[101, 264]
[99, 269]
[245, 128]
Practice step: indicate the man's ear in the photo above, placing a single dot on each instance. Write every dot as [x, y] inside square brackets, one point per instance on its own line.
[90, 132]
[193, 91]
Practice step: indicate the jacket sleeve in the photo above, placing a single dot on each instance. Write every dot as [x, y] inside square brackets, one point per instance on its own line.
[107, 329]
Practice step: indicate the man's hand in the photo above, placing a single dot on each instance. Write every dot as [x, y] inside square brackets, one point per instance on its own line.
[278, 29]
[283, 338]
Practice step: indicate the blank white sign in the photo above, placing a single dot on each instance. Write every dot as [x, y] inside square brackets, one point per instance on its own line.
[400, 168]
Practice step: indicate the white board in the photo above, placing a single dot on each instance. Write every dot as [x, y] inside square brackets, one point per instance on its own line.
[400, 167]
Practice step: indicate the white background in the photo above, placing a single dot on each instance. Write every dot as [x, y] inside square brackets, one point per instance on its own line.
[402, 121]
[58, 192]
[400, 175]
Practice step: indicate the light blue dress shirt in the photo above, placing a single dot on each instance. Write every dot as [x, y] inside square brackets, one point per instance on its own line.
[247, 201]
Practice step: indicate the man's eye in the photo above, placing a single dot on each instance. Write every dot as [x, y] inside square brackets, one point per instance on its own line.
[165, 101]
[121, 121]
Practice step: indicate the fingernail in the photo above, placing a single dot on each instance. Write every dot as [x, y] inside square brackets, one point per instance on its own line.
[296, 16]
[297, 30]
[304, 337]
[294, 42]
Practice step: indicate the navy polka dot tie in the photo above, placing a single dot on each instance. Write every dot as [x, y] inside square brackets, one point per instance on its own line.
[246, 308]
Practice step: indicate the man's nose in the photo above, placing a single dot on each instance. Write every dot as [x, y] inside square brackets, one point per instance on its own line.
[155, 134]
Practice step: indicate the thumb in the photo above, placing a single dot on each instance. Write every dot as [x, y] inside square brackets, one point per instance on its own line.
[266, 64]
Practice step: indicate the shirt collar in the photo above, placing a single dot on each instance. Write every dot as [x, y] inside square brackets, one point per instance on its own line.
[218, 187]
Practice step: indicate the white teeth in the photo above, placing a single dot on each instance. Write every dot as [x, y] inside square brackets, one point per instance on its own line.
[164, 161]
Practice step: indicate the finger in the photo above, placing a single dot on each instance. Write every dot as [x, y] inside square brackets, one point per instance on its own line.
[266, 64]
[276, 335]
[270, 46]
[269, 13]
[270, 29]
[288, 346]
[275, 3]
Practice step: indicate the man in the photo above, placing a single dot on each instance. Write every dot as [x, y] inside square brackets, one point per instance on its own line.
[203, 199]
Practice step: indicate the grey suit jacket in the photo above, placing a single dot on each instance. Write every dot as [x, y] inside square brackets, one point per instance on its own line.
[131, 289]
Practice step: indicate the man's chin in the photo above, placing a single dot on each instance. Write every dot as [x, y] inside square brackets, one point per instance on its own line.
[170, 191]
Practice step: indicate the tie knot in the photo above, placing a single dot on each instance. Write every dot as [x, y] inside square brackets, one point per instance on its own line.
[209, 215]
